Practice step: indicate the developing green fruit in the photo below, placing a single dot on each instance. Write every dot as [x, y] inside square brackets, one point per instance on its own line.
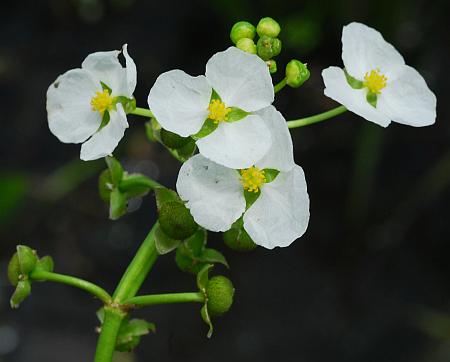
[220, 292]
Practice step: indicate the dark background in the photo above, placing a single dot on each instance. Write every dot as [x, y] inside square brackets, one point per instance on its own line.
[369, 281]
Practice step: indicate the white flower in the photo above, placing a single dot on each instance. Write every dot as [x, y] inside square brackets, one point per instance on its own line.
[215, 194]
[81, 98]
[182, 103]
[397, 91]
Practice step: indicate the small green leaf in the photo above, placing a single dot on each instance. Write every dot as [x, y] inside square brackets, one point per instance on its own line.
[164, 244]
[202, 277]
[115, 168]
[23, 290]
[164, 195]
[372, 99]
[236, 114]
[208, 127]
[270, 174]
[353, 82]
[212, 256]
[118, 204]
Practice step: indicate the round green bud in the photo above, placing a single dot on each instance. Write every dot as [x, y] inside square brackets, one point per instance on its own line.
[176, 220]
[23, 290]
[14, 270]
[268, 47]
[242, 29]
[238, 240]
[27, 259]
[220, 292]
[269, 27]
[272, 64]
[172, 140]
[297, 73]
[247, 45]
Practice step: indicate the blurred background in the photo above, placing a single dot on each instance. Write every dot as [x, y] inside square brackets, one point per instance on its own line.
[369, 281]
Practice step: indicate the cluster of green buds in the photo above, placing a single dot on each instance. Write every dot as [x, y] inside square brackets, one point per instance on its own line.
[23, 263]
[267, 47]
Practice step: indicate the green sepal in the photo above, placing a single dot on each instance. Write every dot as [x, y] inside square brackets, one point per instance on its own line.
[115, 169]
[353, 82]
[203, 277]
[213, 256]
[164, 244]
[207, 319]
[172, 140]
[184, 153]
[250, 198]
[214, 95]
[270, 174]
[237, 238]
[14, 270]
[105, 87]
[23, 290]
[27, 259]
[164, 195]
[150, 131]
[208, 127]
[105, 120]
[372, 99]
[135, 190]
[105, 185]
[46, 264]
[117, 204]
[130, 333]
[236, 114]
[128, 104]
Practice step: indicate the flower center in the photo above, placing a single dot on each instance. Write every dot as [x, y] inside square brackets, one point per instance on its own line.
[218, 111]
[102, 101]
[252, 178]
[375, 81]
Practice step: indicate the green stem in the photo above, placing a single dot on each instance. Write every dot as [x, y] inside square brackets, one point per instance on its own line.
[316, 118]
[147, 300]
[106, 344]
[75, 282]
[138, 181]
[279, 86]
[144, 112]
[128, 286]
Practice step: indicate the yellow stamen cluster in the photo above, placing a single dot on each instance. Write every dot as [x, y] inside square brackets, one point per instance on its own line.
[375, 81]
[102, 101]
[252, 178]
[218, 112]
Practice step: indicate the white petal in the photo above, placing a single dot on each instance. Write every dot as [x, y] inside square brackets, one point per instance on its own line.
[280, 215]
[364, 49]
[237, 144]
[105, 67]
[408, 100]
[241, 79]
[213, 193]
[280, 155]
[337, 88]
[130, 70]
[70, 117]
[104, 142]
[180, 102]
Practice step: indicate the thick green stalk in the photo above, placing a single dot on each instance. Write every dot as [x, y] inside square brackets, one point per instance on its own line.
[95, 290]
[316, 118]
[144, 112]
[279, 86]
[147, 300]
[128, 286]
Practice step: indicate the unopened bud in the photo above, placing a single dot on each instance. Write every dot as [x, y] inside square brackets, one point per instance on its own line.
[242, 29]
[297, 73]
[27, 259]
[172, 140]
[272, 64]
[268, 47]
[176, 220]
[247, 45]
[269, 27]
[14, 270]
[23, 290]
[220, 292]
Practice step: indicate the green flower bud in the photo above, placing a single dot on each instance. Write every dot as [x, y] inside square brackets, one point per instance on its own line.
[297, 73]
[247, 45]
[14, 270]
[269, 27]
[238, 240]
[23, 290]
[268, 47]
[172, 140]
[272, 64]
[176, 220]
[240, 30]
[220, 292]
[27, 259]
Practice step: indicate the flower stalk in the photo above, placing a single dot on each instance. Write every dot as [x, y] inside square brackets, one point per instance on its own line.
[316, 118]
[154, 299]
